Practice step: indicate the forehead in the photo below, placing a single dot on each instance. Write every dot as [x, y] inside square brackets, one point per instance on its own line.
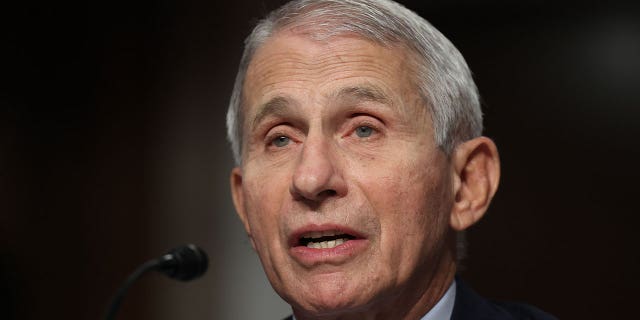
[292, 63]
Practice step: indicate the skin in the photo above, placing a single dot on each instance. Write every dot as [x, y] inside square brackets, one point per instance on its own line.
[336, 136]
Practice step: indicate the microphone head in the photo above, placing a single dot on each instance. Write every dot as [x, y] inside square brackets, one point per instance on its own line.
[184, 263]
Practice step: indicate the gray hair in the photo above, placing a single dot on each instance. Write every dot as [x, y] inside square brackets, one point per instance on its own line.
[443, 78]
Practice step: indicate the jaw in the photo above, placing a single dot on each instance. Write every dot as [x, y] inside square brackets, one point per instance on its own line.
[325, 286]
[332, 293]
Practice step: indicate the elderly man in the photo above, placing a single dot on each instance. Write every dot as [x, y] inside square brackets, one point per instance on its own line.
[356, 128]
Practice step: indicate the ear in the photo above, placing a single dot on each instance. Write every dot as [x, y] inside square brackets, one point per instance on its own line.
[476, 169]
[237, 193]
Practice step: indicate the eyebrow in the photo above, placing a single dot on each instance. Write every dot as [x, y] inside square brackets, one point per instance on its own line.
[363, 93]
[275, 106]
[280, 105]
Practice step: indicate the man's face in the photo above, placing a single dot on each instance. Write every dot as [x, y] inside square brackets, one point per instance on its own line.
[342, 189]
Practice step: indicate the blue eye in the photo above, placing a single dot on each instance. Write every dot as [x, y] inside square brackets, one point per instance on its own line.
[364, 131]
[281, 141]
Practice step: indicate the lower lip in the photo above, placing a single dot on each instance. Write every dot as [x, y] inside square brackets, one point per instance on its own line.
[337, 255]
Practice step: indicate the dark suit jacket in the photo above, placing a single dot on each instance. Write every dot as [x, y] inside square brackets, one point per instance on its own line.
[470, 306]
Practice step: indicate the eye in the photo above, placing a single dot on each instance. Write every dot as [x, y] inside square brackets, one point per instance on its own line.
[281, 141]
[364, 131]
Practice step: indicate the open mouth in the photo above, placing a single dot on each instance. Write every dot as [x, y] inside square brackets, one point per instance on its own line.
[324, 240]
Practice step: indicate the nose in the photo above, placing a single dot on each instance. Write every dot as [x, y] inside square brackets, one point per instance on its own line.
[317, 176]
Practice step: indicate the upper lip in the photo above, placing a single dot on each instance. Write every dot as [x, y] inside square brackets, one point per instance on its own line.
[316, 231]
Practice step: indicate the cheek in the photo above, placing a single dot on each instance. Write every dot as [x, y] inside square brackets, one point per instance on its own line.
[263, 207]
[424, 206]
[263, 204]
[411, 204]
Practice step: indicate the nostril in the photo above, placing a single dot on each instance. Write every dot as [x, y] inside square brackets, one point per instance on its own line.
[328, 193]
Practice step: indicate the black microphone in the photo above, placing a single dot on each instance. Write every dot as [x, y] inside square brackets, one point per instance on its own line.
[182, 263]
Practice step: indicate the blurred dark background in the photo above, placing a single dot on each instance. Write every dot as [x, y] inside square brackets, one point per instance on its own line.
[112, 150]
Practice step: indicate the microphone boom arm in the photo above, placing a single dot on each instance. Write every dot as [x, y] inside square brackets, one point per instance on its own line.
[117, 299]
[182, 263]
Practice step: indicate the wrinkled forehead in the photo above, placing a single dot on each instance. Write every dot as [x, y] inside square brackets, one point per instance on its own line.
[293, 60]
[344, 66]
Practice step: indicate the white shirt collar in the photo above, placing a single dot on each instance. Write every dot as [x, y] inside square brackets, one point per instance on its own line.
[443, 309]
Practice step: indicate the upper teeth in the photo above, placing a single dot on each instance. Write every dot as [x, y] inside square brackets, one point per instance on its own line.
[316, 239]
[326, 244]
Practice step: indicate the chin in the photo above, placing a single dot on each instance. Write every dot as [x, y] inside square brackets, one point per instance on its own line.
[330, 300]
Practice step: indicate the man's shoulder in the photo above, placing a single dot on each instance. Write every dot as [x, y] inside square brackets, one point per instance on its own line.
[471, 306]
